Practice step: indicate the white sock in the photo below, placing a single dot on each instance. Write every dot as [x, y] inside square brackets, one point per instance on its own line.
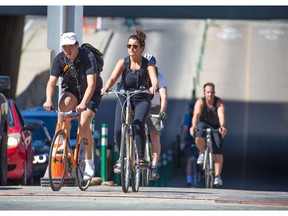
[89, 162]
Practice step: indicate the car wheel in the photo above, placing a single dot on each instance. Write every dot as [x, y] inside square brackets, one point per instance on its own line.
[3, 159]
[24, 176]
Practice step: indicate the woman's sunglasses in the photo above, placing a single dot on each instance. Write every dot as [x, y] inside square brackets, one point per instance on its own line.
[134, 46]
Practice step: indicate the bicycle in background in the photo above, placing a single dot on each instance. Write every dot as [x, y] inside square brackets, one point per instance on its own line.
[196, 169]
[130, 166]
[208, 164]
[62, 159]
[146, 175]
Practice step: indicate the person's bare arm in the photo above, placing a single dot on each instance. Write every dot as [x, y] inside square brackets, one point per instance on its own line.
[50, 88]
[221, 116]
[118, 70]
[164, 99]
[196, 115]
[153, 77]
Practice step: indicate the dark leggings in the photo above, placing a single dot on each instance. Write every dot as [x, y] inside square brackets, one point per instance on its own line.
[141, 113]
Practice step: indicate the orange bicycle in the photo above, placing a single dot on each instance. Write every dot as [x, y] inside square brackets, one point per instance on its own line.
[62, 159]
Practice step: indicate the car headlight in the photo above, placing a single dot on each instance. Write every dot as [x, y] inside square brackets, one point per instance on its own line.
[13, 140]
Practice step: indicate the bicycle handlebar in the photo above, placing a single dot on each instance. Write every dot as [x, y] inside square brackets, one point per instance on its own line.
[206, 130]
[123, 92]
[155, 116]
[68, 112]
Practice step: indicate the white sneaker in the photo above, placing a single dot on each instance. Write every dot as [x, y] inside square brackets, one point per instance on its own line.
[89, 172]
[218, 181]
[200, 159]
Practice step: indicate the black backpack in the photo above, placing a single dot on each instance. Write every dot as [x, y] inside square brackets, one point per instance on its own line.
[98, 55]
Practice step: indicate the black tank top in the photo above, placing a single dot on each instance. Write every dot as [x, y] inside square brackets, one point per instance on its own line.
[210, 116]
[133, 79]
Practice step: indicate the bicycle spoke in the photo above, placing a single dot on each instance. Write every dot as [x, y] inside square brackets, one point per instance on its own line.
[58, 161]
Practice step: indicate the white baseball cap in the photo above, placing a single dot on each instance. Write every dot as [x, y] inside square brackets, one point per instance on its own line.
[68, 38]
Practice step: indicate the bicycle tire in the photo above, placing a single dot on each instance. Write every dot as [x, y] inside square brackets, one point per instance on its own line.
[80, 168]
[58, 158]
[125, 160]
[194, 172]
[146, 173]
[135, 169]
[207, 169]
[211, 169]
[144, 178]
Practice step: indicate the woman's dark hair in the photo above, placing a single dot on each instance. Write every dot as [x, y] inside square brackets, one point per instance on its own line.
[140, 36]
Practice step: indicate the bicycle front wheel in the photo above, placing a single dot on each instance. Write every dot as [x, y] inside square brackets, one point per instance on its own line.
[80, 169]
[135, 169]
[58, 160]
[125, 160]
[208, 169]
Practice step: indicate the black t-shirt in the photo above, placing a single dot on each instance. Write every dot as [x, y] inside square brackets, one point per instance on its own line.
[85, 64]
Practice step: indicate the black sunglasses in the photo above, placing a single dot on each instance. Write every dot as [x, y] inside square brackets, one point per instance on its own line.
[134, 46]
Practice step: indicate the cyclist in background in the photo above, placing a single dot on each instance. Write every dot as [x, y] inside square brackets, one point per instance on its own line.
[209, 111]
[135, 74]
[158, 106]
[81, 89]
[187, 144]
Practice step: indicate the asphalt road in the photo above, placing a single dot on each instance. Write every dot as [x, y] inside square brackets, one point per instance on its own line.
[148, 198]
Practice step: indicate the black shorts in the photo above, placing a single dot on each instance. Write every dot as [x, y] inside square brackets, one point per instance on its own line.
[217, 140]
[93, 103]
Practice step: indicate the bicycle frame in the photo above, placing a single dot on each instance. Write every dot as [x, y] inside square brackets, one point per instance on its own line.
[208, 165]
[129, 159]
[66, 155]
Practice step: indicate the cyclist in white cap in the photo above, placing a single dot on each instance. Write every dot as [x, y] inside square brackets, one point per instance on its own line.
[81, 86]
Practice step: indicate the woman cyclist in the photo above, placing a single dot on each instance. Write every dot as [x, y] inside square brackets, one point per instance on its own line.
[136, 72]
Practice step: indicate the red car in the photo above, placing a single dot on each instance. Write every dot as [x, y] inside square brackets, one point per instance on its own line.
[20, 149]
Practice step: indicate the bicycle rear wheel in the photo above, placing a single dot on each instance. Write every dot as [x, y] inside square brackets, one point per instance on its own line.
[146, 172]
[135, 169]
[145, 177]
[125, 161]
[58, 160]
[80, 169]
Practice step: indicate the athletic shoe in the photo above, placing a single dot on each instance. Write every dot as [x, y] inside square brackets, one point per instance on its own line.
[154, 174]
[89, 172]
[218, 181]
[200, 159]
[117, 167]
